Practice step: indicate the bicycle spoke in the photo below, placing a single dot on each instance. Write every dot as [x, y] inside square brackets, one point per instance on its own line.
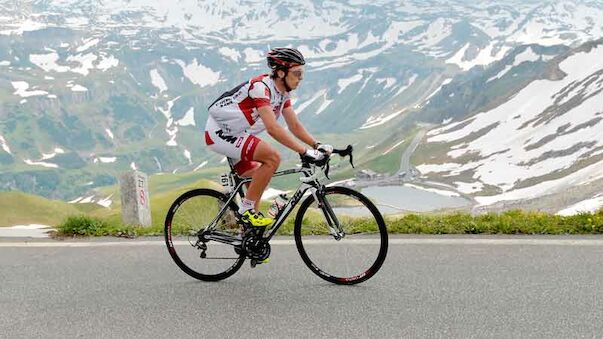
[342, 260]
[190, 214]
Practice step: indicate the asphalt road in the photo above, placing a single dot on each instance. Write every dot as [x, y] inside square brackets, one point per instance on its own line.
[436, 287]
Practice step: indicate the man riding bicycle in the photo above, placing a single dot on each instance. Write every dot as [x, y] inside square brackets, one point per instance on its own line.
[237, 116]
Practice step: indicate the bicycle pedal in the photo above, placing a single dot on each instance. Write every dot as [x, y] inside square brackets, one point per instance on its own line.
[255, 262]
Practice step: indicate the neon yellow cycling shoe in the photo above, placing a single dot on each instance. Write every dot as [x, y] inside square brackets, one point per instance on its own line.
[256, 219]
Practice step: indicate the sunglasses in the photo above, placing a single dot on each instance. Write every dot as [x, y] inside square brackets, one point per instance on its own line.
[298, 73]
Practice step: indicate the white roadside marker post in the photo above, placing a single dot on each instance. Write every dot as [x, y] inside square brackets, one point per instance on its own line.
[135, 198]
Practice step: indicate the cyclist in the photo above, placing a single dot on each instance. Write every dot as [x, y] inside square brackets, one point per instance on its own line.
[237, 116]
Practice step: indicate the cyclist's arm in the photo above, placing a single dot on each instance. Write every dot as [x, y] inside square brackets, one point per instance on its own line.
[297, 128]
[277, 131]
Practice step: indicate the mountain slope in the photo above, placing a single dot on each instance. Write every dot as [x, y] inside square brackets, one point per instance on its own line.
[91, 88]
[545, 139]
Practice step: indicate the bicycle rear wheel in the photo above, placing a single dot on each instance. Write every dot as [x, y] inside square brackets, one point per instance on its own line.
[194, 254]
[356, 256]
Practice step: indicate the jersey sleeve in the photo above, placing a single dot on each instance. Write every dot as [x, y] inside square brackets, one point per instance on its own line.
[259, 94]
[287, 103]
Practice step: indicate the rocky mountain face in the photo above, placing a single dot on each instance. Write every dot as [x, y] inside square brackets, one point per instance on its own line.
[91, 88]
[543, 138]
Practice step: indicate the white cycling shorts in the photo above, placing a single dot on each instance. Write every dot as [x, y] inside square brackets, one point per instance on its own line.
[238, 148]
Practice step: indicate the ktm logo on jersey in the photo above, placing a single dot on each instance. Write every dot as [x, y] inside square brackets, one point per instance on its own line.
[228, 138]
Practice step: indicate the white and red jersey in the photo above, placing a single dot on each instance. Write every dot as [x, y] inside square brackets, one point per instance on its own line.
[236, 111]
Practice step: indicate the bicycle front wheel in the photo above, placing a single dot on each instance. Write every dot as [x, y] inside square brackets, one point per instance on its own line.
[199, 257]
[349, 253]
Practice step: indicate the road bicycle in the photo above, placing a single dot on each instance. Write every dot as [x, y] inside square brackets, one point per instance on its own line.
[339, 233]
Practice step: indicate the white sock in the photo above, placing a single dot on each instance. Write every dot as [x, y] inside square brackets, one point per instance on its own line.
[246, 205]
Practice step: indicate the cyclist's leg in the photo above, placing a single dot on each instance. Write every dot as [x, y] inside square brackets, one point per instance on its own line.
[246, 169]
[246, 148]
[270, 159]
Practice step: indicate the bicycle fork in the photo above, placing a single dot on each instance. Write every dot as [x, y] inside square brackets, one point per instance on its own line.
[332, 222]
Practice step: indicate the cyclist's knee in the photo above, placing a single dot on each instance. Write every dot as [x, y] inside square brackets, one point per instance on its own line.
[267, 155]
[273, 159]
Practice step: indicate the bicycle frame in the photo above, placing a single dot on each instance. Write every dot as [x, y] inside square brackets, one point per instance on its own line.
[313, 185]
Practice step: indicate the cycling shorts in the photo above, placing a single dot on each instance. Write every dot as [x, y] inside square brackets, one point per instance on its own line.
[239, 148]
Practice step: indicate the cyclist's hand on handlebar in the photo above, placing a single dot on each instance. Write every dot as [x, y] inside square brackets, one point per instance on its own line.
[312, 156]
[328, 149]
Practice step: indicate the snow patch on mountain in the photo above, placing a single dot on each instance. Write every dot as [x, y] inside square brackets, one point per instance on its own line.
[434, 190]
[230, 53]
[325, 103]
[4, 145]
[78, 88]
[253, 55]
[109, 133]
[106, 202]
[168, 112]
[107, 62]
[201, 165]
[444, 83]
[382, 118]
[411, 81]
[345, 82]
[48, 62]
[389, 82]
[187, 155]
[486, 56]
[188, 119]
[47, 156]
[309, 102]
[40, 163]
[528, 55]
[172, 133]
[199, 74]
[585, 206]
[86, 62]
[18, 27]
[87, 44]
[433, 34]
[517, 137]
[469, 187]
[21, 89]
[157, 80]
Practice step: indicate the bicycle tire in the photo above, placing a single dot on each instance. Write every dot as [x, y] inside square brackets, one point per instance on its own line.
[302, 246]
[209, 200]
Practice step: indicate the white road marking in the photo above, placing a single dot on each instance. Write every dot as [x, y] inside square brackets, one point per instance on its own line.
[277, 242]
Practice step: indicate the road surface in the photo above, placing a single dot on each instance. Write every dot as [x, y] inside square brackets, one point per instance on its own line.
[435, 287]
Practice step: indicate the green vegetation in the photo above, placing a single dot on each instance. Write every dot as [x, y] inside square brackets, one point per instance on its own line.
[83, 225]
[94, 220]
[510, 222]
[18, 208]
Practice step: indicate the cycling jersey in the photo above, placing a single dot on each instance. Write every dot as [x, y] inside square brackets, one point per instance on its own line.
[234, 120]
[236, 111]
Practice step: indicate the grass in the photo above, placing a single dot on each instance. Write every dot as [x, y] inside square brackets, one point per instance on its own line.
[510, 222]
[93, 220]
[17, 208]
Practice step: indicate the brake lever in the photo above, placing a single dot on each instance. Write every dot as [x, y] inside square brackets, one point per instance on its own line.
[348, 152]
